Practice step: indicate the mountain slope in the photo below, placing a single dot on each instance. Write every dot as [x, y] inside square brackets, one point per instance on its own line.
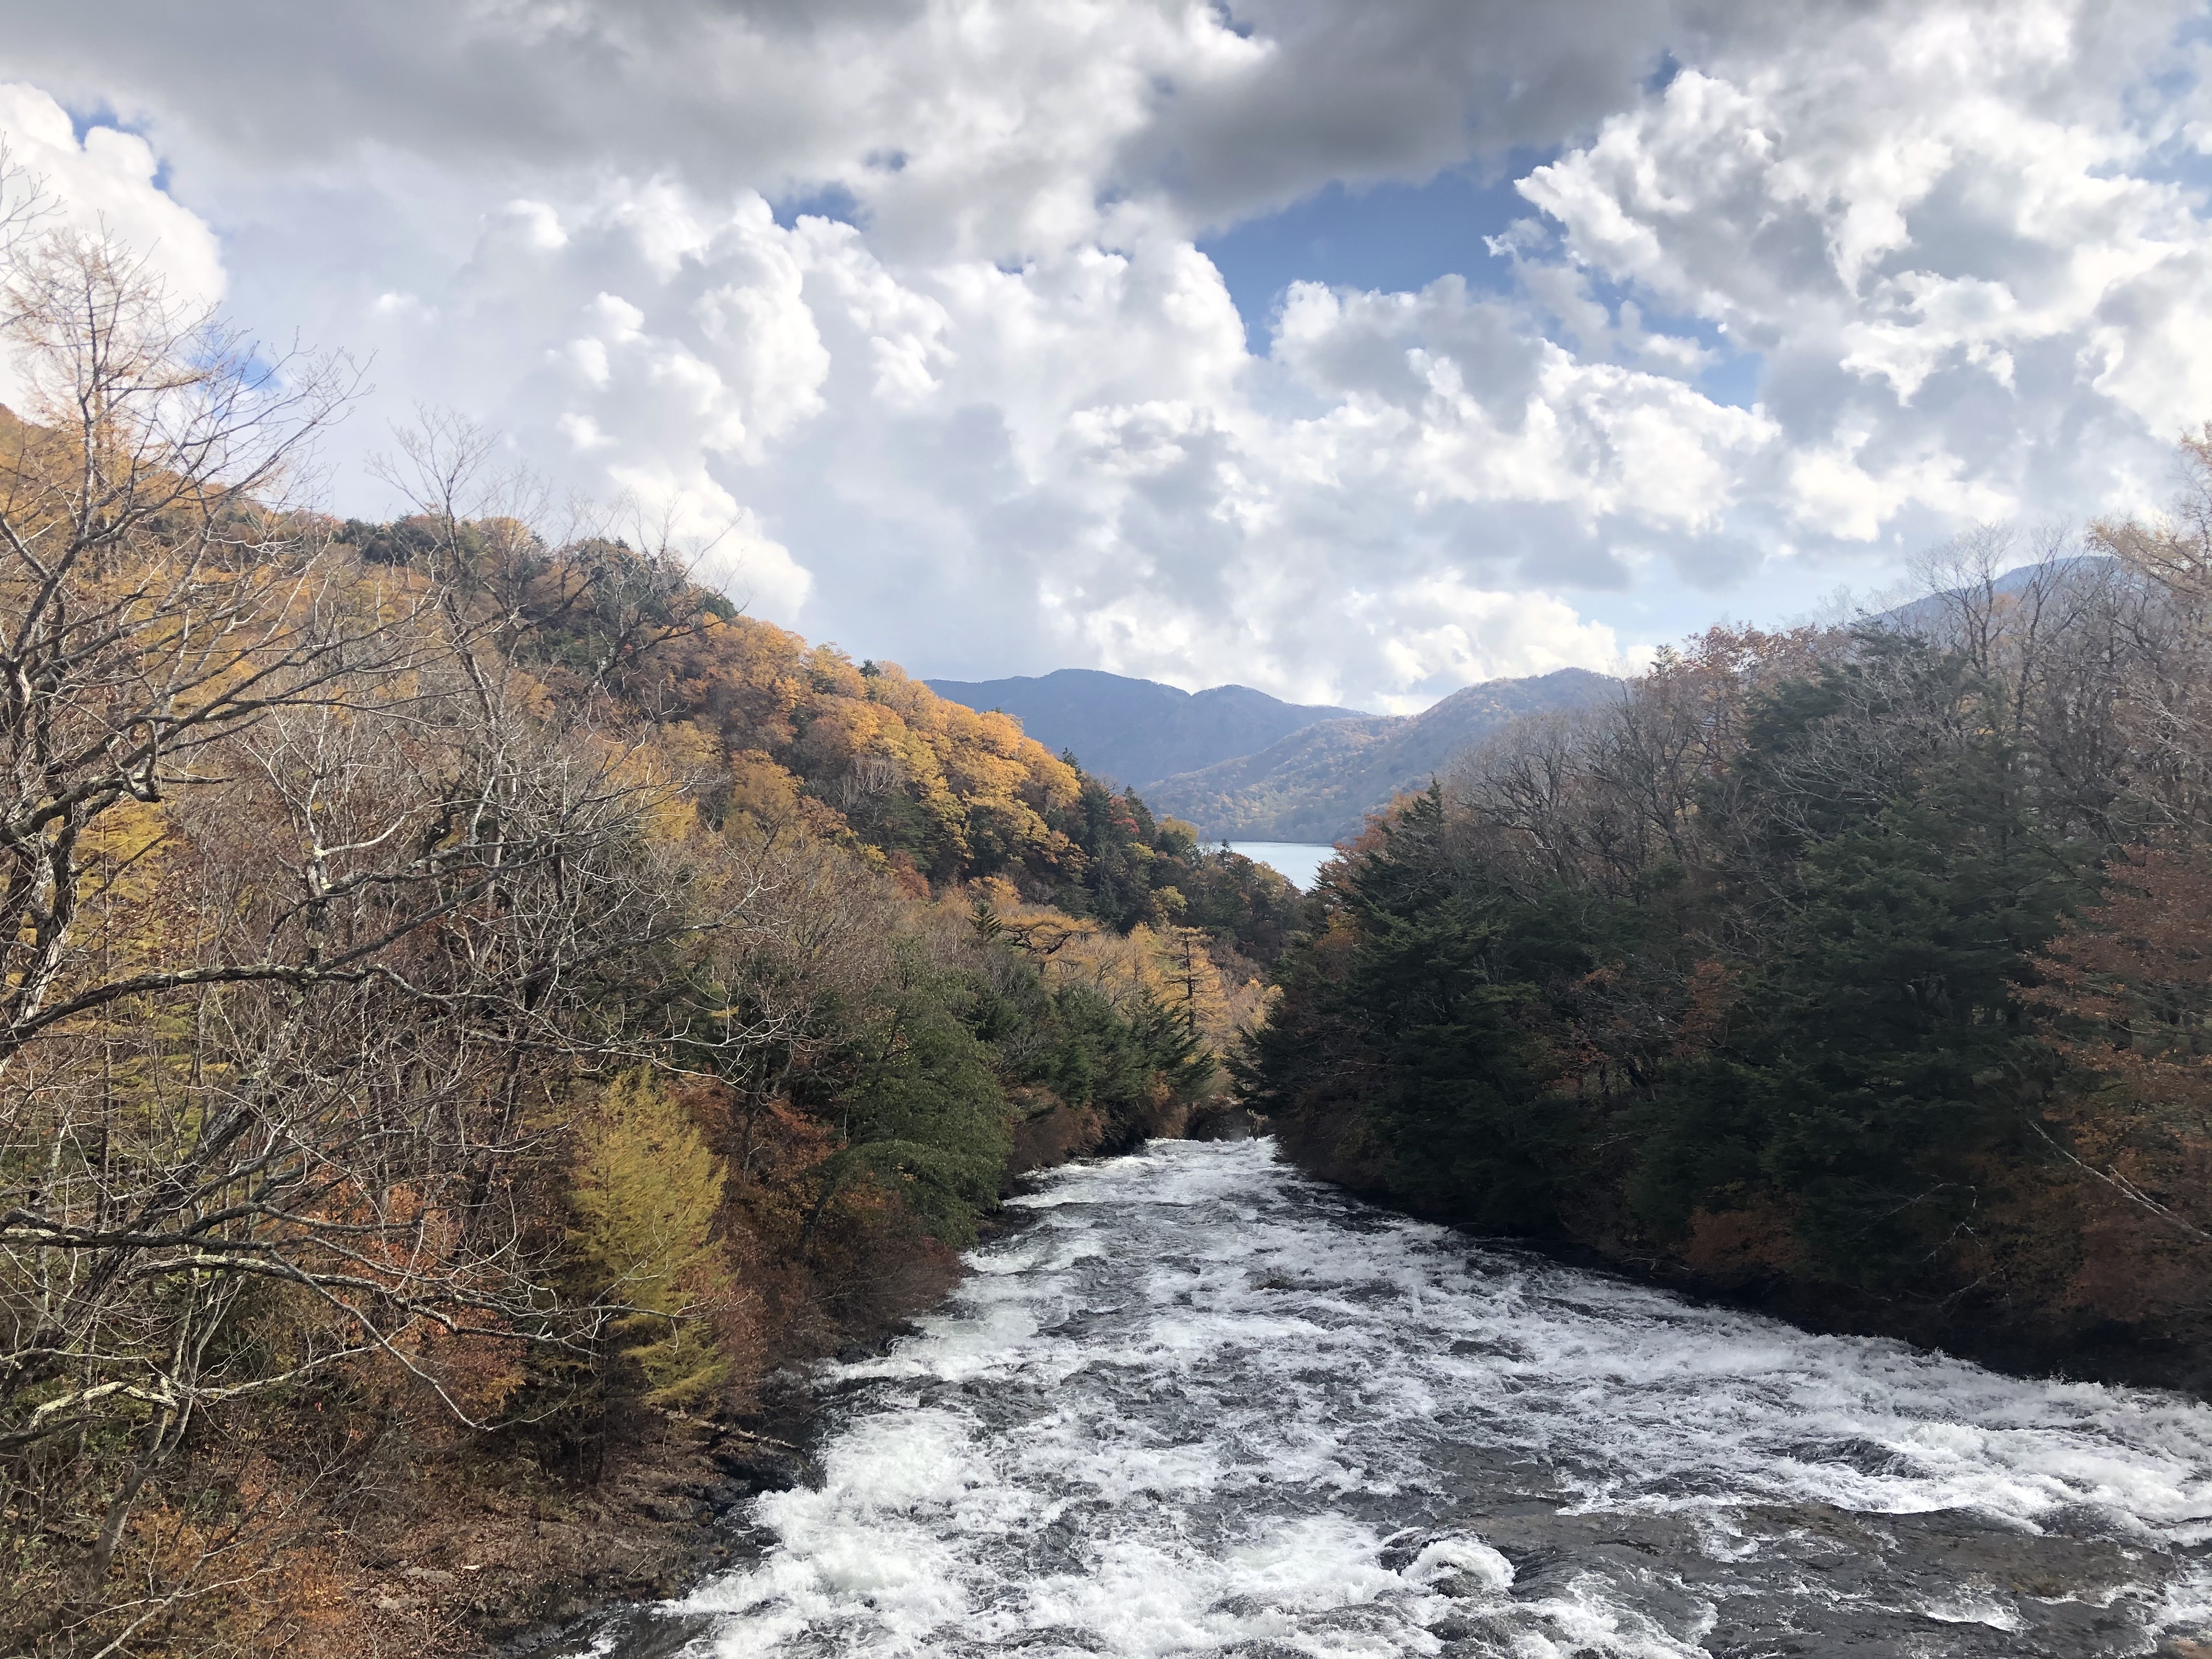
[1137, 730]
[1319, 784]
[1936, 614]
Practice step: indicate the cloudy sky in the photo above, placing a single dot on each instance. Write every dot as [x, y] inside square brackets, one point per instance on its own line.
[1354, 350]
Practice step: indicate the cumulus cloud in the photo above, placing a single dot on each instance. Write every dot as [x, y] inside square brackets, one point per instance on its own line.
[108, 179]
[104, 183]
[1957, 244]
[1796, 288]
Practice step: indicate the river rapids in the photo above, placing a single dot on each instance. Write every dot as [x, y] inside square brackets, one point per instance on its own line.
[1204, 1405]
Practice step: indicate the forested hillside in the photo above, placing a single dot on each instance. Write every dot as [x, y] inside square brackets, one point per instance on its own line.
[471, 1003]
[1320, 783]
[1864, 971]
[1138, 730]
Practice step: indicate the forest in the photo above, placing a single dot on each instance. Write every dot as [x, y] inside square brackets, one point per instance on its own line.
[473, 1004]
[1857, 971]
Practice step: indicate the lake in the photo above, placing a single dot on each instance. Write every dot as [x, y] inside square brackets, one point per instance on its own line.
[1297, 862]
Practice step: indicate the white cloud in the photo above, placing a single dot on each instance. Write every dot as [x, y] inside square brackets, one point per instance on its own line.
[105, 184]
[1010, 419]
[1440, 631]
[1951, 230]
[109, 181]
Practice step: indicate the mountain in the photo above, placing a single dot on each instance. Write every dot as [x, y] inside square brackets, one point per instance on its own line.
[1137, 730]
[1319, 783]
[1936, 614]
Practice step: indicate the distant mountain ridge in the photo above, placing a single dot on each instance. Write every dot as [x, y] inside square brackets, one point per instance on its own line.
[1318, 784]
[1137, 731]
[1242, 765]
[1934, 613]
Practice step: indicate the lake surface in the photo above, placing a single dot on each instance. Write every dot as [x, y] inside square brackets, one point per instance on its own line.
[1297, 862]
[1201, 1405]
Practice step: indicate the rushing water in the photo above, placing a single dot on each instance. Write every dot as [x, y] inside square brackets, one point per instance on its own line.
[1204, 1407]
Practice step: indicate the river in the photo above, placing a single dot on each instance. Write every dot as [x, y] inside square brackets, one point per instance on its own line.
[1200, 1405]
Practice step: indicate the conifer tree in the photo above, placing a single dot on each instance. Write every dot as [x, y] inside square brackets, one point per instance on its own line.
[644, 1198]
[1194, 994]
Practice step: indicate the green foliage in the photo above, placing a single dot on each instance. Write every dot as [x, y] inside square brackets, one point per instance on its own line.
[1872, 1068]
[1432, 1012]
[928, 1116]
[1798, 1002]
[1138, 868]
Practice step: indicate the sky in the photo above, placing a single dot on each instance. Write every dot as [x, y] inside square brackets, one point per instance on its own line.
[1352, 351]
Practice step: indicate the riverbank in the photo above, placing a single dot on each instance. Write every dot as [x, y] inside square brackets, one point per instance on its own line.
[505, 1567]
[2005, 1336]
[508, 1562]
[2010, 1330]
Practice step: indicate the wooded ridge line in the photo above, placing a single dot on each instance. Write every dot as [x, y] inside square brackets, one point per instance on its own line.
[1238, 764]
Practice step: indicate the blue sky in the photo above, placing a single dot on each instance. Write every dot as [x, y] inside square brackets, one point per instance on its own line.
[1386, 236]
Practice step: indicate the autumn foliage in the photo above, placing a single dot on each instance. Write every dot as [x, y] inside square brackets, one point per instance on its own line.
[471, 1003]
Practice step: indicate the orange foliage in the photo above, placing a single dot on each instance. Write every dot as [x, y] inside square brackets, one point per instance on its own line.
[1712, 992]
[2129, 986]
[841, 734]
[1047, 1130]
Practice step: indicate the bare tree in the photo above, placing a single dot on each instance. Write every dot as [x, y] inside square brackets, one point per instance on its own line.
[310, 920]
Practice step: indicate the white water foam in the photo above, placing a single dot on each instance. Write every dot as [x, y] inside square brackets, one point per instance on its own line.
[1201, 1405]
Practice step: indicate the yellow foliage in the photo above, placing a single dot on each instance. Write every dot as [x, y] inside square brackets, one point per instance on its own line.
[643, 1201]
[1006, 781]
[764, 792]
[662, 768]
[1076, 949]
[1191, 986]
[1174, 964]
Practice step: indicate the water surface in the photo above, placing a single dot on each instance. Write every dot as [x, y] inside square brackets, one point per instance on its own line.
[1202, 1405]
[1298, 862]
